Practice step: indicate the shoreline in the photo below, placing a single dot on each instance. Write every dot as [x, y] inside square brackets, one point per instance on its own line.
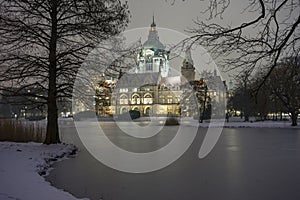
[24, 166]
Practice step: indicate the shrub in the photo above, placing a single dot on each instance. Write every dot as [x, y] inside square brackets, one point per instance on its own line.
[21, 131]
[134, 114]
[171, 121]
[130, 115]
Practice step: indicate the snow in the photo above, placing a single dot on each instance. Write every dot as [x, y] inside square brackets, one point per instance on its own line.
[234, 122]
[21, 167]
[237, 122]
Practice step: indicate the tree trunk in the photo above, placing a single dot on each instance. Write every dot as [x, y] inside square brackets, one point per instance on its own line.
[204, 105]
[294, 117]
[52, 134]
[246, 118]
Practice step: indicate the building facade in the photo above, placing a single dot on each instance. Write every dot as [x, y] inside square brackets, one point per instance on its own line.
[150, 88]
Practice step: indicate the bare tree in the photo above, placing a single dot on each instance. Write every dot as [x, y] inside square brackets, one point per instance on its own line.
[107, 62]
[284, 84]
[196, 100]
[279, 93]
[242, 98]
[43, 43]
[263, 101]
[261, 41]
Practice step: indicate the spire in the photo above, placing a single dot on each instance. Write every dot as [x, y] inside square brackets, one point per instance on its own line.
[153, 25]
[153, 19]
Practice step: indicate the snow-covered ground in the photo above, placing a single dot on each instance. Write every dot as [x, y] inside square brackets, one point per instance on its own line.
[237, 122]
[21, 167]
[234, 122]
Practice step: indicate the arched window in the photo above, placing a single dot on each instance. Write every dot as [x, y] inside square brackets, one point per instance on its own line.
[148, 99]
[135, 99]
[147, 111]
[123, 110]
[123, 100]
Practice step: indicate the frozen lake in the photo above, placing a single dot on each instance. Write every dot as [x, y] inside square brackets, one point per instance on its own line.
[246, 163]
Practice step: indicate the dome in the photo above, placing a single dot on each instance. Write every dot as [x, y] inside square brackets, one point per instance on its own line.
[153, 43]
[153, 39]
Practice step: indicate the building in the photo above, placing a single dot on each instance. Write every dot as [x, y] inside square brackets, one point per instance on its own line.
[151, 89]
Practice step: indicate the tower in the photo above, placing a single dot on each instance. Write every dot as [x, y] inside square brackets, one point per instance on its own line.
[153, 57]
[187, 68]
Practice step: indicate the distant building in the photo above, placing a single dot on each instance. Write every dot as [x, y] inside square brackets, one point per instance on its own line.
[21, 103]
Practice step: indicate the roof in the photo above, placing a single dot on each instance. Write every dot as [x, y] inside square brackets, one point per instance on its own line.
[138, 79]
[174, 80]
[153, 41]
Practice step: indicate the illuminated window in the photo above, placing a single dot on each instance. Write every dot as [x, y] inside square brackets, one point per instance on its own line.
[149, 52]
[136, 99]
[123, 100]
[170, 99]
[148, 99]
[123, 89]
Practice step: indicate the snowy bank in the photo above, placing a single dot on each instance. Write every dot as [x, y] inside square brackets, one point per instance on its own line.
[21, 167]
[236, 122]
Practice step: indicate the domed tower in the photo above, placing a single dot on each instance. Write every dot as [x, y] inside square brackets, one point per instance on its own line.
[187, 68]
[153, 56]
